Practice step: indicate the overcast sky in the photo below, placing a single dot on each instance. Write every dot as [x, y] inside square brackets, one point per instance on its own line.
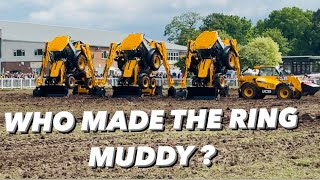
[146, 16]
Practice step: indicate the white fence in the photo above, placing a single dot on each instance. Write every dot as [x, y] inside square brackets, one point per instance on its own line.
[20, 83]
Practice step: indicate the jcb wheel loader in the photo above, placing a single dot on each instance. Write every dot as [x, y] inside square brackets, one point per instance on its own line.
[208, 59]
[138, 59]
[67, 67]
[257, 82]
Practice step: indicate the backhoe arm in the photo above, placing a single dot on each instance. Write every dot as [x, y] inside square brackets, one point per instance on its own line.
[86, 50]
[109, 61]
[45, 61]
[163, 51]
[183, 83]
[237, 67]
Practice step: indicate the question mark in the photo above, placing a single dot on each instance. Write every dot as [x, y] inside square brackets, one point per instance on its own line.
[211, 152]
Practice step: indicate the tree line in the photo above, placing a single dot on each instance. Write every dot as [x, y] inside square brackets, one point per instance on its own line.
[289, 31]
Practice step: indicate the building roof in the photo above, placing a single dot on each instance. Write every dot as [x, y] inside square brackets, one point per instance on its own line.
[28, 32]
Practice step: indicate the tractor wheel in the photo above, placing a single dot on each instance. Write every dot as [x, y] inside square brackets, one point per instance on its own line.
[230, 62]
[88, 83]
[144, 82]
[81, 62]
[70, 82]
[249, 91]
[297, 94]
[284, 92]
[155, 61]
[153, 83]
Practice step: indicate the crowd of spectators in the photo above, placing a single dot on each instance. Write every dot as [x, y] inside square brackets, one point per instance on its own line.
[115, 75]
[18, 75]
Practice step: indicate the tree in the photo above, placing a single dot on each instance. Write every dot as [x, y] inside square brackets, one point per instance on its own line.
[315, 33]
[237, 27]
[260, 51]
[276, 36]
[293, 22]
[183, 28]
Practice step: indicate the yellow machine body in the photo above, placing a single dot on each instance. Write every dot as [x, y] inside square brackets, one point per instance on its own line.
[269, 80]
[58, 43]
[70, 67]
[206, 40]
[129, 67]
[137, 58]
[131, 42]
[208, 58]
[57, 68]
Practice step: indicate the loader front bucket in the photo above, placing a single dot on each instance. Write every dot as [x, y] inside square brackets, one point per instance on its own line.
[200, 93]
[126, 91]
[309, 88]
[98, 91]
[50, 91]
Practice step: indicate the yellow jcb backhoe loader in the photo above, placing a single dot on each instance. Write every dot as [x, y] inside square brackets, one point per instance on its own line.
[67, 67]
[208, 59]
[259, 81]
[138, 59]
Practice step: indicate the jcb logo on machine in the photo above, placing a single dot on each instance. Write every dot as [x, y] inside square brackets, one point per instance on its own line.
[283, 78]
[266, 91]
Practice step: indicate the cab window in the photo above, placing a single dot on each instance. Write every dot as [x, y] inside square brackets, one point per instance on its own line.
[268, 72]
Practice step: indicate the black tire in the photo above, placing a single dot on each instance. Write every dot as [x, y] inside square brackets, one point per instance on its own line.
[230, 60]
[144, 82]
[81, 62]
[155, 61]
[70, 81]
[153, 83]
[284, 92]
[88, 83]
[249, 91]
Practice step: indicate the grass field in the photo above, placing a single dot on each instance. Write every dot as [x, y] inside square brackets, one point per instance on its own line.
[242, 154]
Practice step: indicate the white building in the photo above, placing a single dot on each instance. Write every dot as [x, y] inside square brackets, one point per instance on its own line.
[22, 44]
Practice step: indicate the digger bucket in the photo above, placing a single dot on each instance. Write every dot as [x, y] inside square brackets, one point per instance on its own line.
[200, 93]
[309, 88]
[126, 91]
[50, 91]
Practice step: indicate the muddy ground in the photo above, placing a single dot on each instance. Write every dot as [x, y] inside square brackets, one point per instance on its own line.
[248, 154]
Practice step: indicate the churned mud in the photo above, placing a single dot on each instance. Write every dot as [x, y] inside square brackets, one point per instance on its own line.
[249, 154]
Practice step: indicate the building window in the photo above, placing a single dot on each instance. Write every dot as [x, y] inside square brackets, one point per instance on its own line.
[173, 56]
[38, 52]
[104, 54]
[19, 52]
